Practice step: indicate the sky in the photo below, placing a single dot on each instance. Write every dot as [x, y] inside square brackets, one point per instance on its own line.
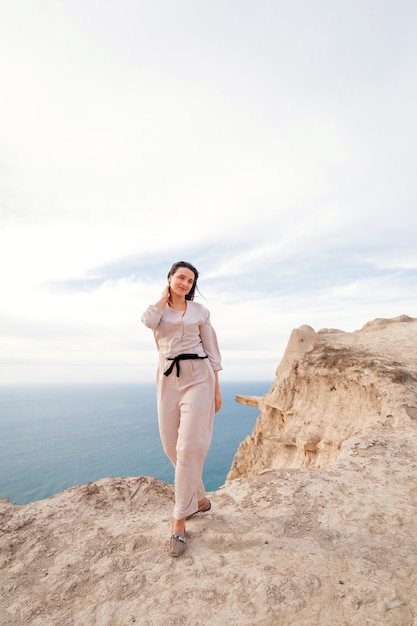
[270, 143]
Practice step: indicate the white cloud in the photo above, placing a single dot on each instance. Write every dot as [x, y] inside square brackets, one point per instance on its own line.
[271, 144]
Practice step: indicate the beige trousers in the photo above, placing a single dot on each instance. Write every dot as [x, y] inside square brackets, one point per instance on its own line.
[185, 417]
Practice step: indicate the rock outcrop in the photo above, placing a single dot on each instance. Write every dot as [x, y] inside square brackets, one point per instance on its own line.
[315, 525]
[329, 386]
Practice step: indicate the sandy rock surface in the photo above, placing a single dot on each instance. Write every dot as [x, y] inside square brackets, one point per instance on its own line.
[331, 541]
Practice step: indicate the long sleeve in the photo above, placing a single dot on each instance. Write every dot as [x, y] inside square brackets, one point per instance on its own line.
[152, 316]
[178, 332]
[210, 343]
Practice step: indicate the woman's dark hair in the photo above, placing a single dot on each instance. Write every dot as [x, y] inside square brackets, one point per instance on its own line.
[176, 267]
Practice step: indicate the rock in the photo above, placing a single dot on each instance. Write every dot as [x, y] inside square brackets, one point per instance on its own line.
[315, 525]
[331, 385]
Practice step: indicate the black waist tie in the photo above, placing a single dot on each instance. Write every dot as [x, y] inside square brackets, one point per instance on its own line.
[181, 357]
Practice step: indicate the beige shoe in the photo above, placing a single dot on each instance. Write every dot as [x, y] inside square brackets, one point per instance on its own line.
[177, 544]
[206, 506]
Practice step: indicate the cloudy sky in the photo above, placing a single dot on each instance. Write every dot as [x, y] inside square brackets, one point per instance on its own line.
[271, 143]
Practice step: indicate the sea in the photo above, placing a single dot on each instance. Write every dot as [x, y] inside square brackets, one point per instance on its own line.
[53, 437]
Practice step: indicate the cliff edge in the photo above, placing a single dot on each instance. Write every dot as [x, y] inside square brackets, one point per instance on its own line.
[316, 523]
[329, 386]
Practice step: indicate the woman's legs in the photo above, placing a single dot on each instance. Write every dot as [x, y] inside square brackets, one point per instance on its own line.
[194, 438]
[186, 413]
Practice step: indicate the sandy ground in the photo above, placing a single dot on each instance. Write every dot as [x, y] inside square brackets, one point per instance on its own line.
[300, 546]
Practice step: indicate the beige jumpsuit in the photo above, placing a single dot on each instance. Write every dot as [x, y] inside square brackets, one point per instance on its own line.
[185, 401]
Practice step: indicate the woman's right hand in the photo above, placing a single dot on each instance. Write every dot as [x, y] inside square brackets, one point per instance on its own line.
[164, 297]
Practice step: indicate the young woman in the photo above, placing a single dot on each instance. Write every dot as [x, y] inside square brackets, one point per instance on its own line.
[188, 390]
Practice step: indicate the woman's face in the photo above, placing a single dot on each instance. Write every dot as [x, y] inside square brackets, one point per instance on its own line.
[182, 281]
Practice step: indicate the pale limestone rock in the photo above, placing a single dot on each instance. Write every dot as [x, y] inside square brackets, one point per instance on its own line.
[331, 385]
[325, 533]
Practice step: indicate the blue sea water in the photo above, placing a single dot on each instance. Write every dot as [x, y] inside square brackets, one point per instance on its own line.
[57, 436]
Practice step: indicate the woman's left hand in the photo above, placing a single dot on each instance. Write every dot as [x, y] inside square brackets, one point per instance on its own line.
[217, 393]
[217, 400]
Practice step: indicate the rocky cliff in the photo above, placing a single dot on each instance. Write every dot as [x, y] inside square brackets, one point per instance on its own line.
[329, 386]
[315, 525]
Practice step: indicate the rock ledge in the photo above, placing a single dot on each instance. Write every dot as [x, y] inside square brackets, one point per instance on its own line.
[316, 525]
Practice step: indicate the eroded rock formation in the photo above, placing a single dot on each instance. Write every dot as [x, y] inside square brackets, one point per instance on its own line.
[329, 386]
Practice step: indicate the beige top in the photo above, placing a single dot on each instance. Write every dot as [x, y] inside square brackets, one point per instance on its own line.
[184, 332]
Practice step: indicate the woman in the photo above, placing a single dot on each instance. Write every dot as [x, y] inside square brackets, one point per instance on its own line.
[188, 390]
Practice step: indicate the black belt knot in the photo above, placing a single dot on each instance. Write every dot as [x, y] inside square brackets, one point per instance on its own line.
[181, 357]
